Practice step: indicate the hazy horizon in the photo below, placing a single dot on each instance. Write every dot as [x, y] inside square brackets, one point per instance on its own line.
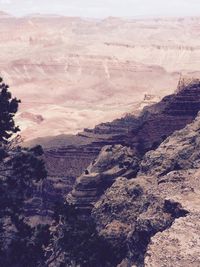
[103, 9]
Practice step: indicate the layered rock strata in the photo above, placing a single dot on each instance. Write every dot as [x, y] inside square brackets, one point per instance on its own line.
[68, 156]
[180, 151]
[112, 162]
[144, 214]
[144, 132]
[88, 65]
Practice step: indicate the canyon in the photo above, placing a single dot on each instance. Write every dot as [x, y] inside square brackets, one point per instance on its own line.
[73, 73]
[68, 157]
[121, 140]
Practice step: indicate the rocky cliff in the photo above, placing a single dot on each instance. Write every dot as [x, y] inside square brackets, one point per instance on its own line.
[70, 155]
[151, 209]
[166, 158]
[152, 214]
[112, 162]
[67, 157]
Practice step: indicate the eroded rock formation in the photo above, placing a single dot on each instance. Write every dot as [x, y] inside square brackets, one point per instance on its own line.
[131, 212]
[180, 151]
[141, 133]
[112, 162]
[148, 218]
[70, 155]
[132, 199]
[178, 180]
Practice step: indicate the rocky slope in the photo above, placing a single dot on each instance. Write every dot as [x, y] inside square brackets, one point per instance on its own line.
[112, 162]
[147, 218]
[166, 158]
[130, 213]
[178, 179]
[70, 155]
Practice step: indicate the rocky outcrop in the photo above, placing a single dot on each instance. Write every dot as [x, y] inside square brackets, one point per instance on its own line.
[178, 245]
[112, 162]
[176, 165]
[154, 123]
[148, 218]
[138, 204]
[172, 113]
[141, 133]
[130, 213]
[178, 152]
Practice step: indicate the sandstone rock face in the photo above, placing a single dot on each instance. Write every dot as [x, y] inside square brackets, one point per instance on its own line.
[112, 162]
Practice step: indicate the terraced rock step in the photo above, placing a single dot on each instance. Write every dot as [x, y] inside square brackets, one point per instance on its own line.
[112, 162]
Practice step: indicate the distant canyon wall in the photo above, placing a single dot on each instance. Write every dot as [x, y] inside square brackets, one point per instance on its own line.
[73, 73]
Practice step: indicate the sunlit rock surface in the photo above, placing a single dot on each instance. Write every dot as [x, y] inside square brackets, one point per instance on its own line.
[76, 73]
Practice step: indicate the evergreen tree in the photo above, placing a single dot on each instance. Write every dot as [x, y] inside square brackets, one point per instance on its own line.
[20, 168]
[76, 242]
[8, 109]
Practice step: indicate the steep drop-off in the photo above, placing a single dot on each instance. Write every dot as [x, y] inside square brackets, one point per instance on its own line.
[156, 209]
[67, 157]
[167, 187]
[70, 155]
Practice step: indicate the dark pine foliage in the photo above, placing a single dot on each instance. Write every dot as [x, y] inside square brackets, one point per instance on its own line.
[8, 108]
[76, 242]
[20, 168]
[71, 241]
